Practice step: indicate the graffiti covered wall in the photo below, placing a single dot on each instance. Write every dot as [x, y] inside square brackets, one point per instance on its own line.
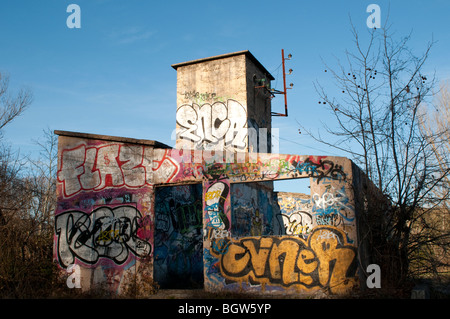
[324, 261]
[300, 213]
[216, 226]
[211, 221]
[216, 126]
[103, 218]
[314, 247]
[252, 207]
[295, 216]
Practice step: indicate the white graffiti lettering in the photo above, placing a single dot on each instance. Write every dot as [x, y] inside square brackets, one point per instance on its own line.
[213, 126]
[106, 232]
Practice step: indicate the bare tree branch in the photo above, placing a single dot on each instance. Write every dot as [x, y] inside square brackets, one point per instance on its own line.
[12, 107]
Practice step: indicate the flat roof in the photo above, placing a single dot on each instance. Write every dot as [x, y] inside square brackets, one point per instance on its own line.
[112, 138]
[227, 55]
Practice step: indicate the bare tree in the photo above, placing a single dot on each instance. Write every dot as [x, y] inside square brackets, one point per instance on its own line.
[27, 189]
[27, 200]
[12, 106]
[10, 165]
[381, 90]
[42, 178]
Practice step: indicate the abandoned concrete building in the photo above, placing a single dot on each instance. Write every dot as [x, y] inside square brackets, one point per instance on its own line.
[205, 214]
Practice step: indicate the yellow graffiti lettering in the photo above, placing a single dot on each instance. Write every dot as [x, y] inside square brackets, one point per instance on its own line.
[212, 194]
[324, 260]
[107, 236]
[232, 263]
[326, 245]
[306, 261]
[258, 258]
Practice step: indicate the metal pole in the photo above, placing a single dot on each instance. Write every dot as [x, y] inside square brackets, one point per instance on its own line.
[284, 83]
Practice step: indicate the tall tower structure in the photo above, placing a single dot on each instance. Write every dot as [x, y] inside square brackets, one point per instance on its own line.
[224, 104]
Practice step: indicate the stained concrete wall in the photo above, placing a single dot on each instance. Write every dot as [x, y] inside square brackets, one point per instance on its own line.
[217, 103]
[259, 106]
[319, 257]
[106, 216]
[253, 210]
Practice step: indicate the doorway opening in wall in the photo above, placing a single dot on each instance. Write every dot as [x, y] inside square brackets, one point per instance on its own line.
[299, 185]
[252, 209]
[178, 243]
[294, 203]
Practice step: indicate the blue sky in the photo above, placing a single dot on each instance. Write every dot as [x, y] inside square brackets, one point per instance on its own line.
[113, 76]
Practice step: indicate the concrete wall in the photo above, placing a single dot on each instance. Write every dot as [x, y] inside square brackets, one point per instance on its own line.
[104, 219]
[217, 103]
[310, 255]
[253, 209]
[107, 222]
[211, 103]
[259, 102]
[295, 214]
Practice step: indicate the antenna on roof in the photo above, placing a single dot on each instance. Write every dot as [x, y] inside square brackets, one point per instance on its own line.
[284, 92]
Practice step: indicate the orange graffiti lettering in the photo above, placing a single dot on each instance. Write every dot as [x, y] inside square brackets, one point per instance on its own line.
[324, 260]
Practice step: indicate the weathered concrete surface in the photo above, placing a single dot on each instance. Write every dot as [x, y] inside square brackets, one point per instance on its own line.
[104, 215]
[218, 107]
[105, 218]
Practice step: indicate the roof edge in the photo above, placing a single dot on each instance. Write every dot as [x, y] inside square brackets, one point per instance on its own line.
[226, 55]
[112, 138]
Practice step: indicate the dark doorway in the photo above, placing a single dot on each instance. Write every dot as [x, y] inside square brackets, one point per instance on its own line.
[178, 254]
